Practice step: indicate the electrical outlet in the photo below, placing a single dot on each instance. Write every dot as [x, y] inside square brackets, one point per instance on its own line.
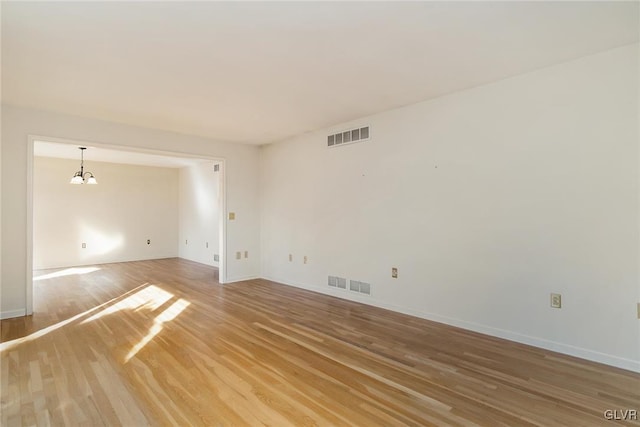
[186, 242]
[290, 258]
[246, 254]
[216, 257]
[394, 273]
[305, 259]
[148, 241]
[84, 246]
[556, 301]
[238, 255]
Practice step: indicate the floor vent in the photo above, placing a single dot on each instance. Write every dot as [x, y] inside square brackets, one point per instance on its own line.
[361, 287]
[348, 136]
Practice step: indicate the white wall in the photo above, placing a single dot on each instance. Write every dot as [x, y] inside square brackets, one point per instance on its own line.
[1, 294]
[115, 218]
[486, 201]
[241, 181]
[200, 208]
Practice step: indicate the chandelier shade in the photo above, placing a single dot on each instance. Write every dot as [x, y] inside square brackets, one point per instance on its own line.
[82, 177]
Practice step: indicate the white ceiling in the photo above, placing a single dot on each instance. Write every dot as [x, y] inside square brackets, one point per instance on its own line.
[257, 72]
[99, 154]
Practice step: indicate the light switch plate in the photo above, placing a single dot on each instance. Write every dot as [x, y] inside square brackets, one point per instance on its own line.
[556, 301]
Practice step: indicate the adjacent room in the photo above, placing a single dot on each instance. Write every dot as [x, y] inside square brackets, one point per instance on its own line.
[147, 206]
[320, 213]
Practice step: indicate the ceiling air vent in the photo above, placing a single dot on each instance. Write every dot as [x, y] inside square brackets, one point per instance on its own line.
[348, 136]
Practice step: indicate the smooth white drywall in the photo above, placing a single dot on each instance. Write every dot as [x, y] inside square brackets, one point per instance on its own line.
[200, 207]
[486, 201]
[130, 205]
[1, 312]
[18, 123]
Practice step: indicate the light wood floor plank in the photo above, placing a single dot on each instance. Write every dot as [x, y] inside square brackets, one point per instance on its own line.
[163, 343]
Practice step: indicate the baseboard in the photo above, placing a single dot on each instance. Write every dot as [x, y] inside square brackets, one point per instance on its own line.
[567, 349]
[116, 261]
[240, 279]
[212, 264]
[13, 313]
[582, 353]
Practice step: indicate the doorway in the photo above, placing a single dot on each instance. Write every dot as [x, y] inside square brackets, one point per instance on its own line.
[119, 159]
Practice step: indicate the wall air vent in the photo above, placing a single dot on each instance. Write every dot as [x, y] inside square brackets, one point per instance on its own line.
[337, 282]
[365, 288]
[348, 136]
[361, 287]
[216, 167]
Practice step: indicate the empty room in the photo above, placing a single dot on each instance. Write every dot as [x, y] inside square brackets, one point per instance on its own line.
[320, 213]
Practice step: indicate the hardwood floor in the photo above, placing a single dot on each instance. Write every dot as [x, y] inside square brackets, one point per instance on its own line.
[162, 343]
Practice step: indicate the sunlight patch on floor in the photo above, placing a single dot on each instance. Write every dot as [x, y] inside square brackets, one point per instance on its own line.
[149, 298]
[74, 271]
[42, 332]
[166, 316]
